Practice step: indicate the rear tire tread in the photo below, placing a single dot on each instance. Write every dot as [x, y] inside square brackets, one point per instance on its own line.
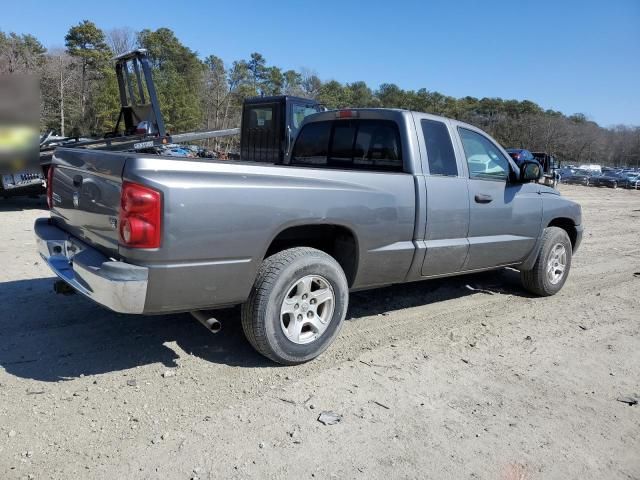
[254, 309]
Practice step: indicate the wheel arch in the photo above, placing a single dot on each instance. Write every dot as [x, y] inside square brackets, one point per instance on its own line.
[336, 240]
[568, 226]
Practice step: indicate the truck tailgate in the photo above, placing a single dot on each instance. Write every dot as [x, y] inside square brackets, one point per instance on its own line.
[86, 196]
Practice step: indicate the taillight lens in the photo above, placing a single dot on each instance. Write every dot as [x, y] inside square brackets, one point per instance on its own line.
[140, 216]
[346, 114]
[50, 187]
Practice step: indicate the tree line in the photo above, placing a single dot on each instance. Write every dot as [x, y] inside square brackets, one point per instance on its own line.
[79, 94]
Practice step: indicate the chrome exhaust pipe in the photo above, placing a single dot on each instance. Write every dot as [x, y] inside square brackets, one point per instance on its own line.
[212, 324]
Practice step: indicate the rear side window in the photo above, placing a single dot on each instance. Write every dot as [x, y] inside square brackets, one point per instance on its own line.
[442, 159]
[312, 145]
[302, 111]
[350, 144]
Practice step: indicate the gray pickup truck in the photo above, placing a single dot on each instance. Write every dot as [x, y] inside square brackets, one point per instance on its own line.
[367, 197]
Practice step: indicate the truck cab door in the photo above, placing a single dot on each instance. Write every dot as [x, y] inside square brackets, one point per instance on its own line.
[504, 217]
[447, 207]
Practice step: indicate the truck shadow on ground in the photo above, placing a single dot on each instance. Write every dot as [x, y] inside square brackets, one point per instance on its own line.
[49, 337]
[18, 204]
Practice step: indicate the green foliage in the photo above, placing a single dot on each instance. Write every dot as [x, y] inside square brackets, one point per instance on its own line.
[273, 81]
[87, 42]
[292, 83]
[105, 106]
[333, 94]
[80, 93]
[257, 70]
[178, 74]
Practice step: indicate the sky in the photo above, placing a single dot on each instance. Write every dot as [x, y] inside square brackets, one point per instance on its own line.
[568, 55]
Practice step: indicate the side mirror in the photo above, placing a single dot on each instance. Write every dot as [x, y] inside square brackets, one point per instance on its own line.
[530, 171]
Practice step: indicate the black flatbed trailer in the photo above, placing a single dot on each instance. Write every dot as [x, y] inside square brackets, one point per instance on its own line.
[269, 124]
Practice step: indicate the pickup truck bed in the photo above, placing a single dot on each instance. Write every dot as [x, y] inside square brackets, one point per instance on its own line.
[369, 188]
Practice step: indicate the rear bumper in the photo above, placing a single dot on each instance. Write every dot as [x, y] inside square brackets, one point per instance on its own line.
[119, 286]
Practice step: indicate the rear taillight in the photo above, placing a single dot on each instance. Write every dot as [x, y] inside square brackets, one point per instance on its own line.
[346, 114]
[140, 216]
[50, 187]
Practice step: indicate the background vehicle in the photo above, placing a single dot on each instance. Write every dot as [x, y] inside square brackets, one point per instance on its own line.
[364, 200]
[564, 172]
[24, 182]
[578, 177]
[594, 168]
[632, 180]
[611, 180]
[520, 155]
[18, 150]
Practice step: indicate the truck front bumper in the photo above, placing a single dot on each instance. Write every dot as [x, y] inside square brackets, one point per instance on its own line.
[119, 286]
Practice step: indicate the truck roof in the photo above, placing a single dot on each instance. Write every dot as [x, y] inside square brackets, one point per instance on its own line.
[384, 113]
[278, 98]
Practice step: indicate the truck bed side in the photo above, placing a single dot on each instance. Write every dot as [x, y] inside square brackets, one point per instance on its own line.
[220, 219]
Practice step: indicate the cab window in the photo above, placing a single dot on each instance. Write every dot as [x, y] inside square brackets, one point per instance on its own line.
[351, 144]
[484, 159]
[300, 112]
[261, 117]
[442, 159]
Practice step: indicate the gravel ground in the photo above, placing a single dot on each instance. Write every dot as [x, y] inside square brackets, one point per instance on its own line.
[432, 379]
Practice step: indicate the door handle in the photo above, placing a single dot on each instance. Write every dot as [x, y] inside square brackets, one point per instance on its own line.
[77, 180]
[483, 198]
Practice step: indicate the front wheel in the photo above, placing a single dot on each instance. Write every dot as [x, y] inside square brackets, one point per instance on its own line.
[296, 306]
[551, 269]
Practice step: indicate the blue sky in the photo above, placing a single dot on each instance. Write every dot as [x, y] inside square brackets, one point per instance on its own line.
[572, 56]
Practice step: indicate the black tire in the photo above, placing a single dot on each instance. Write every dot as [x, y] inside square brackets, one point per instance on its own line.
[261, 313]
[536, 280]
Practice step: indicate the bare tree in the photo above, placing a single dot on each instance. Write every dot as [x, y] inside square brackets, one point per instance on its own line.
[310, 83]
[60, 81]
[122, 40]
[20, 53]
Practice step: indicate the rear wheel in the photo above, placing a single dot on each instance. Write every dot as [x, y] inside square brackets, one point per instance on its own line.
[297, 305]
[552, 266]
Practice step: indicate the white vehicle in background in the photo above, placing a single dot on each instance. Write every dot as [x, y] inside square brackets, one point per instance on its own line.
[591, 168]
[18, 152]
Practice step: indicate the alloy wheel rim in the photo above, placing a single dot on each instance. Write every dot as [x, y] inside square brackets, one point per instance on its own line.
[557, 263]
[307, 309]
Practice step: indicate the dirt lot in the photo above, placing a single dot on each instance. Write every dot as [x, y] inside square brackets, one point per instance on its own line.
[432, 380]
